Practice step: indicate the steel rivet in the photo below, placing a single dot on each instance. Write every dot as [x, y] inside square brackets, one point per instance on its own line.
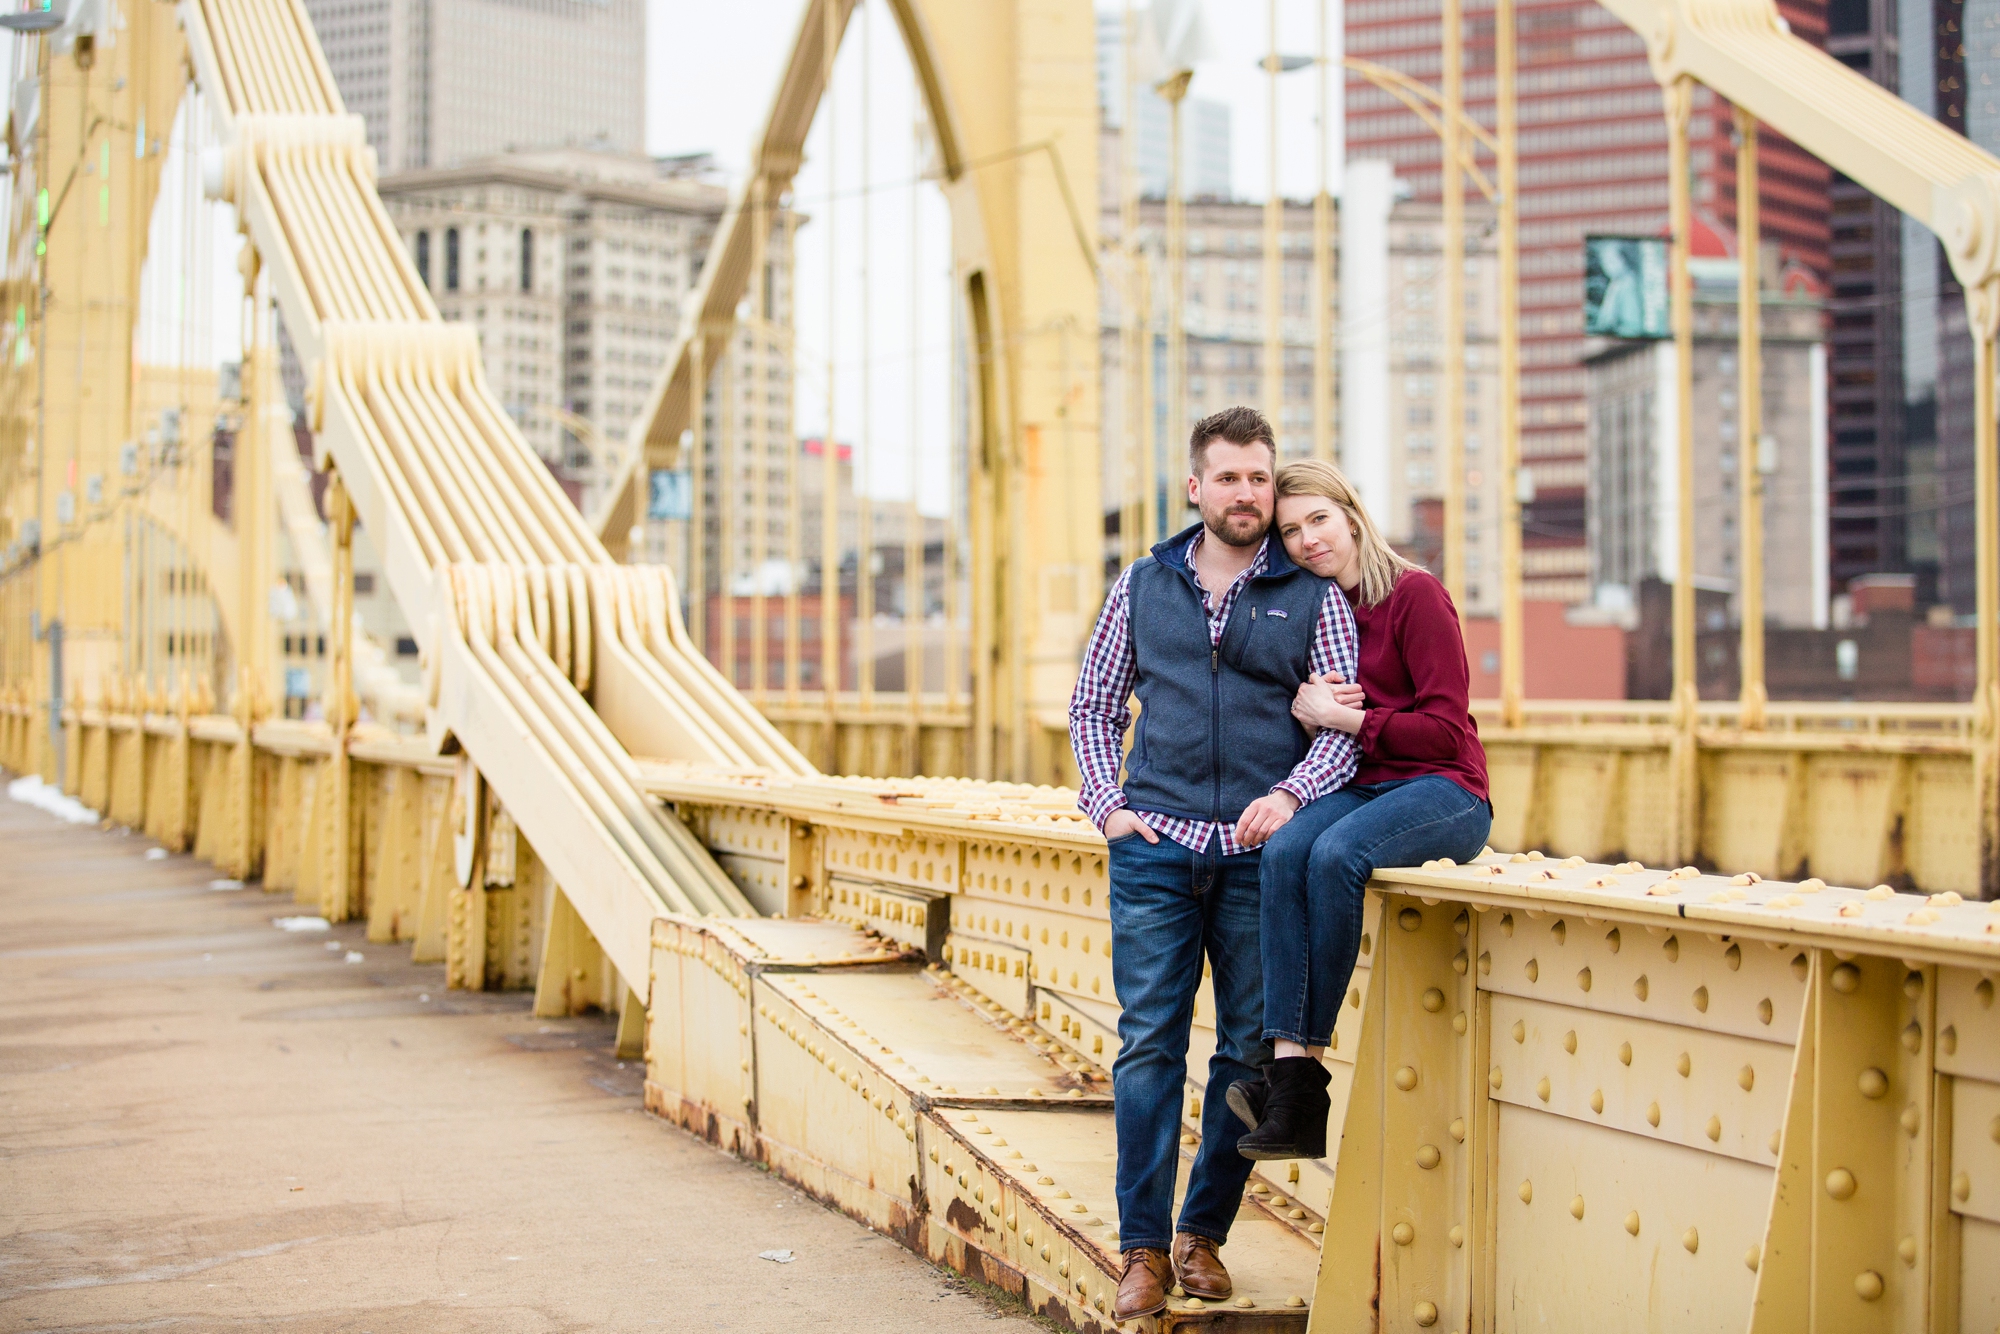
[1671, 947]
[1409, 919]
[1597, 1101]
[1910, 1121]
[1653, 1115]
[1403, 1234]
[1520, 1031]
[1906, 1250]
[1458, 1023]
[1873, 1083]
[1533, 970]
[1714, 1129]
[1692, 1240]
[1433, 1000]
[1701, 999]
[1868, 1285]
[1684, 1064]
[1625, 1053]
[1961, 1187]
[1459, 963]
[1527, 1192]
[1639, 987]
[1753, 1257]
[1406, 1079]
[1457, 1129]
[1569, 1042]
[1429, 1157]
[1840, 1183]
[1746, 1078]
[1576, 1208]
[1632, 1222]
[1493, 1082]
[1542, 1088]
[1775, 1141]
[1913, 1037]
[1846, 979]
[1456, 1236]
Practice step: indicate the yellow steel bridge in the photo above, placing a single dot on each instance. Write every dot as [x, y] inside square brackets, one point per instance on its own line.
[1571, 1094]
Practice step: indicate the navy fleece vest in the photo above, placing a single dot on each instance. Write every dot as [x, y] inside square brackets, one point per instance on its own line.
[1216, 730]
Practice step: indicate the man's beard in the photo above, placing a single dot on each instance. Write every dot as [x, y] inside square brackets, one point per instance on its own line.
[1237, 526]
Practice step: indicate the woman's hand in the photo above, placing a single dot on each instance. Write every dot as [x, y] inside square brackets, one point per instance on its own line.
[1329, 702]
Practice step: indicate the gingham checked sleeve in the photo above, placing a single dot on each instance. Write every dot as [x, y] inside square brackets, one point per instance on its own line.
[1331, 760]
[1099, 709]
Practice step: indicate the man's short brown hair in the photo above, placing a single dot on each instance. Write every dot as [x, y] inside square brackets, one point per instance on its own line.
[1238, 425]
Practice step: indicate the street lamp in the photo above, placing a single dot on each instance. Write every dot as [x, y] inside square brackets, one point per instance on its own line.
[33, 20]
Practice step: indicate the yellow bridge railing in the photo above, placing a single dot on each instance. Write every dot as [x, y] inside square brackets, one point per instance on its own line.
[1604, 1095]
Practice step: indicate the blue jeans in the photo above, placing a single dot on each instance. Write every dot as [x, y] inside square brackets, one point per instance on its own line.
[1316, 868]
[1169, 907]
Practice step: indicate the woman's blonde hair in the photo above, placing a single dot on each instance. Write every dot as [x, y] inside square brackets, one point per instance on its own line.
[1380, 565]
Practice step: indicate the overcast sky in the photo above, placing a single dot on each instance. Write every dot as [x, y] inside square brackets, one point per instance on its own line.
[711, 68]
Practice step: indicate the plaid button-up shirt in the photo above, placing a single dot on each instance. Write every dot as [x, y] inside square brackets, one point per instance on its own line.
[1100, 709]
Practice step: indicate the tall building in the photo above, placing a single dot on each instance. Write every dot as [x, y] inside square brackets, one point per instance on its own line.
[1635, 446]
[440, 82]
[573, 266]
[1870, 446]
[1205, 156]
[1952, 50]
[1593, 160]
[1396, 465]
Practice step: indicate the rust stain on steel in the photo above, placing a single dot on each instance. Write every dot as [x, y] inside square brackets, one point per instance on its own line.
[965, 1218]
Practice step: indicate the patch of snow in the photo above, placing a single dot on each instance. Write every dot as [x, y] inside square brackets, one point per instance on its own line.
[225, 884]
[301, 923]
[777, 1257]
[32, 791]
[157, 854]
[355, 956]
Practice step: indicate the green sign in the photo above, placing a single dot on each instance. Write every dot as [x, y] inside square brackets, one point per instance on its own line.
[1625, 287]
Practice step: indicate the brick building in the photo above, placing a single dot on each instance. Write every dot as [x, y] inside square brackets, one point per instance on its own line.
[1593, 146]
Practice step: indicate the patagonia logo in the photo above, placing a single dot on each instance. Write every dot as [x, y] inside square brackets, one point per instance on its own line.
[1278, 612]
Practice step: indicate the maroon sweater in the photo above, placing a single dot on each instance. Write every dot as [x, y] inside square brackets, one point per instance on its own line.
[1414, 674]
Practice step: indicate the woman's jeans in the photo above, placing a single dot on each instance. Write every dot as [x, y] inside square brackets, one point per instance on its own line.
[1314, 873]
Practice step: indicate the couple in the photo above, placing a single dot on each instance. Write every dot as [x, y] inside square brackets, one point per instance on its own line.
[1304, 720]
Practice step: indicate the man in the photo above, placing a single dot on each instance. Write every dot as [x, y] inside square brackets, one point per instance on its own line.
[1214, 631]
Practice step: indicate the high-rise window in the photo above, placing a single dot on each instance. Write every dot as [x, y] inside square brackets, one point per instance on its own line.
[424, 257]
[527, 260]
[451, 259]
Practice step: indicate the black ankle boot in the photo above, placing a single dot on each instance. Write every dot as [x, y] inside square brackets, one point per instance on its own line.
[1295, 1112]
[1246, 1098]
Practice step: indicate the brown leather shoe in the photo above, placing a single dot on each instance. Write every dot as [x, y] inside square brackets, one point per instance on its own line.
[1198, 1268]
[1142, 1288]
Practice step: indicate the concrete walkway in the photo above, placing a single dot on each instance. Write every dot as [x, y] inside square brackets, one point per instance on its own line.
[209, 1123]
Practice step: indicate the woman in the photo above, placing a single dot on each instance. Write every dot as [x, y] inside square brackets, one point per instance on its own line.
[1420, 792]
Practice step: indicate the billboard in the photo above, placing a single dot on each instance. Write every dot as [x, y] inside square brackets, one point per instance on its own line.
[670, 494]
[1625, 287]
